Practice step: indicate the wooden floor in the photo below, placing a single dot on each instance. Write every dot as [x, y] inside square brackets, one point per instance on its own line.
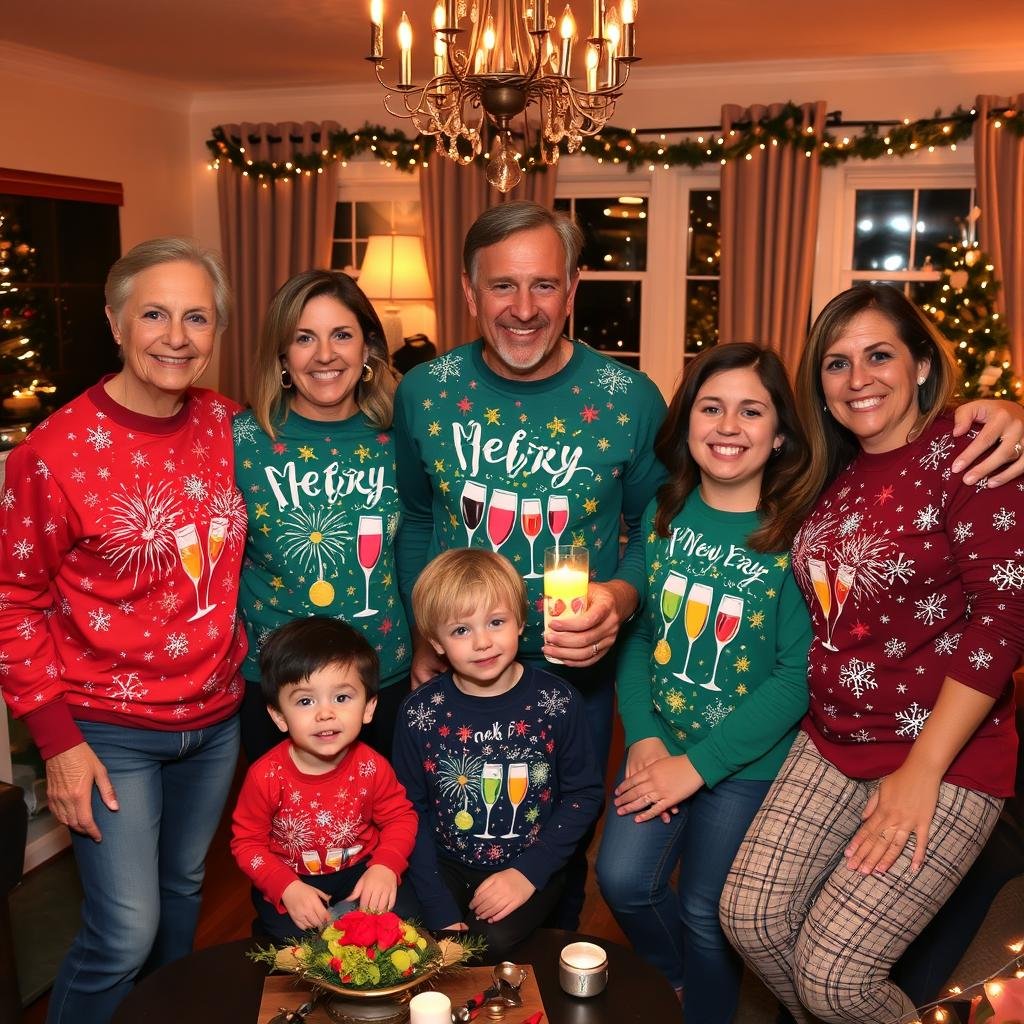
[227, 910]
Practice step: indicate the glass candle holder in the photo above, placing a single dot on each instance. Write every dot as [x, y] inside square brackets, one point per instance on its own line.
[566, 579]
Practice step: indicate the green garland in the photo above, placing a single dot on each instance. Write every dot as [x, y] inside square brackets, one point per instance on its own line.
[619, 146]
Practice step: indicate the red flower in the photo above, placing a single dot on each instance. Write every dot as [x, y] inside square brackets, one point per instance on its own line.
[371, 953]
[336, 965]
[389, 929]
[358, 929]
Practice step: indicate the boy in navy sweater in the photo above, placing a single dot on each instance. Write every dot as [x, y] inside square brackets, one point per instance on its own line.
[495, 757]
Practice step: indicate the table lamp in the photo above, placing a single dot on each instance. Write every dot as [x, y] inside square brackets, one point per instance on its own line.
[394, 270]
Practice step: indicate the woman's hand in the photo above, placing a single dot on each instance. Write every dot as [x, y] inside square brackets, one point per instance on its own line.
[70, 777]
[658, 788]
[306, 905]
[1000, 425]
[584, 639]
[901, 806]
[642, 753]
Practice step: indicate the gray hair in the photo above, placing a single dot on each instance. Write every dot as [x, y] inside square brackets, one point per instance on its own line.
[170, 249]
[499, 222]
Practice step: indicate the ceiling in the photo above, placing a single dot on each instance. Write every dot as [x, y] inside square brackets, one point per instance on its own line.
[235, 44]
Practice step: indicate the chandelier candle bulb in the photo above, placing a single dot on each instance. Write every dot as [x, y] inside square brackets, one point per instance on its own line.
[451, 13]
[405, 45]
[613, 33]
[540, 15]
[628, 29]
[377, 28]
[598, 32]
[490, 38]
[593, 60]
[567, 30]
[440, 43]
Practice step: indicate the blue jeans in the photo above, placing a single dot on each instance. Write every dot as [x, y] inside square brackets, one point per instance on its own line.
[679, 933]
[142, 881]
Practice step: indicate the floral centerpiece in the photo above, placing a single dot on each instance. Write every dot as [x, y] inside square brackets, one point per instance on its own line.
[368, 954]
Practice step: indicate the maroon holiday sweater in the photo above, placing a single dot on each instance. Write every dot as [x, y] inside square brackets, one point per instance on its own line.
[911, 577]
[121, 539]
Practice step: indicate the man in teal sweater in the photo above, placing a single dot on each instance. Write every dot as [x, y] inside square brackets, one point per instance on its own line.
[525, 437]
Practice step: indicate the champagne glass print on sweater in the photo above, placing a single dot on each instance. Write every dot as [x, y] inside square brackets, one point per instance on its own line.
[490, 790]
[532, 521]
[501, 517]
[369, 542]
[473, 497]
[845, 576]
[671, 602]
[695, 620]
[191, 555]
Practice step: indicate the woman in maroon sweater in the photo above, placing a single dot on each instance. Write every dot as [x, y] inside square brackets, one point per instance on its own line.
[915, 583]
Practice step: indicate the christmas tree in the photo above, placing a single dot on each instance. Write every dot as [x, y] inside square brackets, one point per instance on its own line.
[25, 339]
[961, 303]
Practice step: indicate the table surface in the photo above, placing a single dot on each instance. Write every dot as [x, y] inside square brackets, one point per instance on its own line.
[220, 985]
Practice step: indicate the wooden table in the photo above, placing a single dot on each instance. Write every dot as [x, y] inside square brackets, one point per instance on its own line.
[220, 985]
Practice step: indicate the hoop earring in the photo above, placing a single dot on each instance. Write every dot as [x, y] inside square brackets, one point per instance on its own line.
[286, 379]
[367, 373]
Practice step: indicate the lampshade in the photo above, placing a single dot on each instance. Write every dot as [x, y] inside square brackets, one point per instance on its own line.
[395, 269]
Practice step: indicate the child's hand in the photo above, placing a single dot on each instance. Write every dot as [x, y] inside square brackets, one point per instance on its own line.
[306, 905]
[496, 897]
[377, 888]
[658, 788]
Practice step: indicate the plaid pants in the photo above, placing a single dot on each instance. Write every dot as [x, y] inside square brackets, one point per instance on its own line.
[821, 937]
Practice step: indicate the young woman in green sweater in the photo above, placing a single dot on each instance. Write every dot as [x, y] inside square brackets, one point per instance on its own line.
[712, 680]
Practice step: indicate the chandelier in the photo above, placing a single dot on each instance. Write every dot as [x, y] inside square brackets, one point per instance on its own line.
[512, 62]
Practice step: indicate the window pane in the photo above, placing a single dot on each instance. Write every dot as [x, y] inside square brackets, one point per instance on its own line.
[938, 210]
[704, 230]
[341, 255]
[607, 317]
[615, 233]
[342, 220]
[701, 315]
[87, 351]
[373, 219]
[884, 218]
[92, 221]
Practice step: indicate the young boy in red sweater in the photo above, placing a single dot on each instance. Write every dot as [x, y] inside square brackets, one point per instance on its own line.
[321, 817]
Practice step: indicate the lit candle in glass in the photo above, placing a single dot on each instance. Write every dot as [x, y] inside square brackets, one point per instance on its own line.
[440, 43]
[376, 28]
[405, 45]
[612, 33]
[566, 582]
[593, 59]
[628, 31]
[567, 31]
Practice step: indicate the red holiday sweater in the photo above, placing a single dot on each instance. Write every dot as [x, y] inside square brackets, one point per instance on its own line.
[121, 539]
[911, 577]
[288, 823]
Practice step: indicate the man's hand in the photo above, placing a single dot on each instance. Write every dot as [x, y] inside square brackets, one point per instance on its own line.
[582, 640]
[1002, 428]
[426, 662]
[376, 889]
[306, 905]
[496, 897]
[70, 777]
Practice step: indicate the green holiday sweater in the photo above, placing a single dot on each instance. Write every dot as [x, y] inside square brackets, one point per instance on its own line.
[716, 662]
[485, 461]
[323, 514]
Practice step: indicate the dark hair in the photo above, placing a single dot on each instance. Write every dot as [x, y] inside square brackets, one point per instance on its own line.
[268, 400]
[304, 646]
[779, 520]
[833, 447]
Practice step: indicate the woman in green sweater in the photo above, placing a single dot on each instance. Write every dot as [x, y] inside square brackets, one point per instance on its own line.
[712, 680]
[314, 457]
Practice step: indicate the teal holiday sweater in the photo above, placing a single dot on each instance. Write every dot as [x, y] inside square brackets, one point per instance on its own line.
[488, 462]
[716, 664]
[323, 514]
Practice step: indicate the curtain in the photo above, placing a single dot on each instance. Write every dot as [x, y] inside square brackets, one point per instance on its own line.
[269, 231]
[769, 216]
[452, 196]
[999, 169]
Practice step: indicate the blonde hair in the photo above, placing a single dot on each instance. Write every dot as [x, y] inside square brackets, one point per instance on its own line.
[267, 396]
[169, 249]
[461, 580]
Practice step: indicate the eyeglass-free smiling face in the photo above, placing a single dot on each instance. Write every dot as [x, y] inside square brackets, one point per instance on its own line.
[870, 379]
[325, 360]
[481, 646]
[520, 298]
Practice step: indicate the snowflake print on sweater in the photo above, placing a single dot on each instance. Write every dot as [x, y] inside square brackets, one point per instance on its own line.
[928, 583]
[288, 824]
[119, 569]
[497, 782]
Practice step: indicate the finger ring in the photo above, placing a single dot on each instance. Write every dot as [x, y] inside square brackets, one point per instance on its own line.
[595, 648]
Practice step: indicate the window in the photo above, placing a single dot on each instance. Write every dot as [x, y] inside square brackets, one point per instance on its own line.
[613, 265]
[703, 255]
[356, 220]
